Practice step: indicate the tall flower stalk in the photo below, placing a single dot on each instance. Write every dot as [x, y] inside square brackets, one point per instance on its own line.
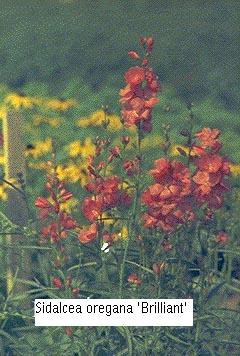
[137, 100]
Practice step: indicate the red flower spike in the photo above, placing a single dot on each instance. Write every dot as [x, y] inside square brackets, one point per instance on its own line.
[177, 192]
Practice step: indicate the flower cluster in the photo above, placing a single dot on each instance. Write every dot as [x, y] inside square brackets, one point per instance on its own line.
[210, 176]
[168, 200]
[51, 208]
[177, 193]
[101, 118]
[106, 193]
[139, 95]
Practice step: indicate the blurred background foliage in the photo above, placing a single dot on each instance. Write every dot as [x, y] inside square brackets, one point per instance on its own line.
[54, 42]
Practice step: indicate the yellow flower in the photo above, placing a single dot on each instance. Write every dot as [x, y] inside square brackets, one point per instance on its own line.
[235, 169]
[97, 118]
[38, 120]
[107, 219]
[114, 123]
[69, 205]
[3, 194]
[2, 160]
[175, 152]
[68, 172]
[3, 112]
[84, 150]
[60, 104]
[88, 148]
[83, 122]
[73, 173]
[40, 148]
[123, 234]
[74, 149]
[52, 121]
[21, 101]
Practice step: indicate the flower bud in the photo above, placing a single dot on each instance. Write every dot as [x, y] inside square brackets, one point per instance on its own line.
[125, 140]
[222, 238]
[185, 132]
[134, 279]
[158, 267]
[57, 282]
[68, 331]
[133, 55]
[75, 291]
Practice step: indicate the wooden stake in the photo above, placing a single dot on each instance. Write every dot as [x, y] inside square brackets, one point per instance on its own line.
[17, 210]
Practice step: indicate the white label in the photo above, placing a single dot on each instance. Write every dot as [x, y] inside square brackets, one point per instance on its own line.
[113, 312]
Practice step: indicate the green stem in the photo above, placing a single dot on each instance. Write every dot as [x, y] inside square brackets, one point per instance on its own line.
[131, 222]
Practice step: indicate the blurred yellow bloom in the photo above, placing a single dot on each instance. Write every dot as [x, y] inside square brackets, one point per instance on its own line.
[84, 150]
[74, 149]
[114, 123]
[2, 160]
[38, 120]
[88, 148]
[3, 194]
[40, 148]
[52, 121]
[73, 173]
[98, 118]
[235, 169]
[21, 101]
[69, 205]
[175, 152]
[107, 219]
[124, 233]
[83, 122]
[3, 112]
[68, 172]
[59, 104]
